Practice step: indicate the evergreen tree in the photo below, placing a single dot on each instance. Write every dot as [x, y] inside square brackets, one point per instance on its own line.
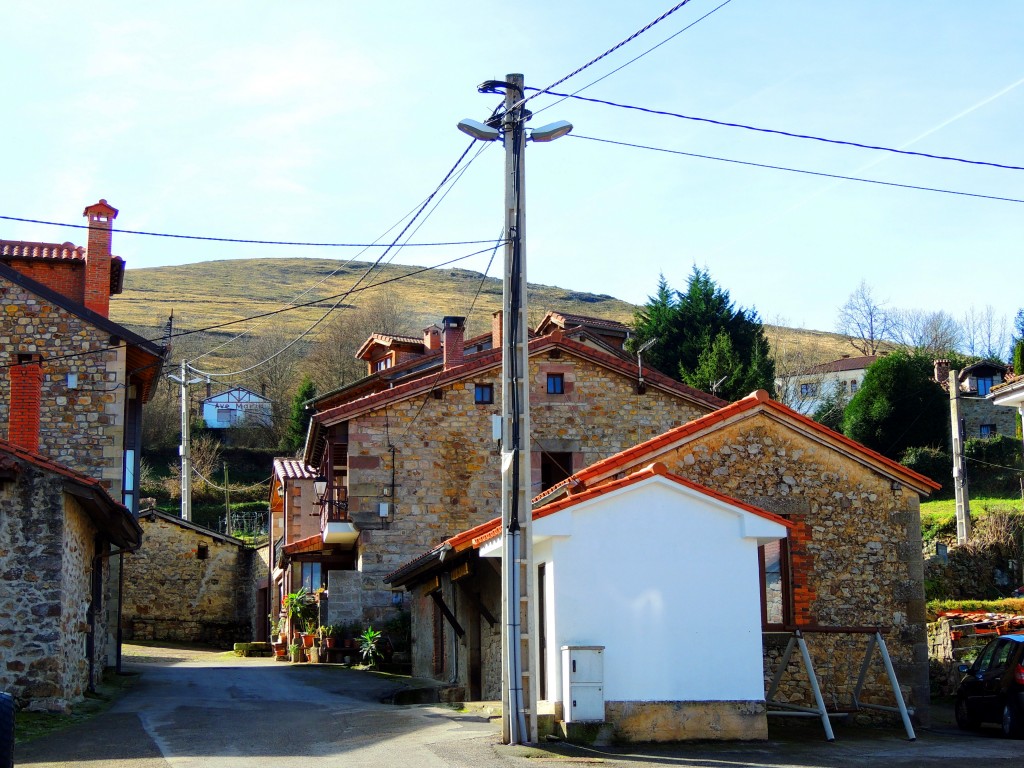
[300, 416]
[898, 406]
[701, 337]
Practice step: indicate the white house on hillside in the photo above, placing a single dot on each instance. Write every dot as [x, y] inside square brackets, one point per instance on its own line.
[805, 391]
[235, 406]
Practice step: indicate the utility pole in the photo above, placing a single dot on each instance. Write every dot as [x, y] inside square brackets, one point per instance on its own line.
[519, 652]
[963, 500]
[227, 502]
[185, 449]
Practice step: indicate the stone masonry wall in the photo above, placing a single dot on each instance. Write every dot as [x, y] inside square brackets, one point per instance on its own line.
[82, 428]
[976, 411]
[171, 593]
[856, 552]
[447, 467]
[46, 552]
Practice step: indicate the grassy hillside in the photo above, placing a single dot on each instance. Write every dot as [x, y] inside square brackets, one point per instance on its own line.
[219, 292]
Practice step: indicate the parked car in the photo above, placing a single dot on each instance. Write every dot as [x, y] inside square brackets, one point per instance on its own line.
[992, 690]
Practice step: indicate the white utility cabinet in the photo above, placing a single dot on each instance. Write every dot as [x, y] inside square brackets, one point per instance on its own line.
[583, 683]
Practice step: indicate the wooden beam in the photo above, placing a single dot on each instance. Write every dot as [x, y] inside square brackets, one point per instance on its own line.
[448, 614]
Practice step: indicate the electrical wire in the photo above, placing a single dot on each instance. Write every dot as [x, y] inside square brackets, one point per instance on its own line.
[213, 485]
[239, 239]
[216, 326]
[1016, 470]
[366, 274]
[607, 53]
[789, 134]
[623, 66]
[800, 170]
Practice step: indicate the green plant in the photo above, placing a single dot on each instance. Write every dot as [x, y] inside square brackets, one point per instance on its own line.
[312, 626]
[328, 630]
[368, 641]
[298, 606]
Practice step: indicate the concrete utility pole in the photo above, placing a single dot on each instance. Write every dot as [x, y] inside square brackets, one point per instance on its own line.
[519, 653]
[185, 449]
[963, 501]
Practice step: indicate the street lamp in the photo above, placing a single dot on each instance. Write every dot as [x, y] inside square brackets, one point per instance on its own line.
[519, 653]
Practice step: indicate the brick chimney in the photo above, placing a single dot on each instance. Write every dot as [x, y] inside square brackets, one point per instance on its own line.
[942, 371]
[432, 338]
[454, 328]
[496, 335]
[26, 399]
[97, 257]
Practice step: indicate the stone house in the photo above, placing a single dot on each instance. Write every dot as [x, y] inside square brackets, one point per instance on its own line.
[852, 559]
[1010, 394]
[59, 530]
[980, 415]
[410, 456]
[70, 371]
[187, 583]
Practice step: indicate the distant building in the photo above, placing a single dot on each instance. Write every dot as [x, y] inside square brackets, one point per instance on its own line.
[807, 390]
[236, 407]
[980, 414]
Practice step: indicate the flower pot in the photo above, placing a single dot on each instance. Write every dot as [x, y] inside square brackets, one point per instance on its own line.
[329, 642]
[308, 640]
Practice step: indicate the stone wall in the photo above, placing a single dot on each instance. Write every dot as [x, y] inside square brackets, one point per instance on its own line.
[447, 466]
[855, 553]
[46, 564]
[82, 428]
[976, 411]
[175, 592]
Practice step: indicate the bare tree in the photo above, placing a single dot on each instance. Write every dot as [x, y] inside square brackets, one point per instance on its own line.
[866, 320]
[276, 376]
[935, 334]
[332, 362]
[985, 333]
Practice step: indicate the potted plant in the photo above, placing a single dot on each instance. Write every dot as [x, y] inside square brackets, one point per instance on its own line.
[368, 641]
[327, 634]
[295, 653]
[297, 607]
[310, 633]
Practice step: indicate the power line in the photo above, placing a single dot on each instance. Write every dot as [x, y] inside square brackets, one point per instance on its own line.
[785, 133]
[242, 240]
[607, 53]
[631, 61]
[84, 353]
[799, 170]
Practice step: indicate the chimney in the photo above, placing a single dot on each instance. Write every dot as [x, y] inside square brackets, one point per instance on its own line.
[454, 327]
[97, 257]
[496, 335]
[26, 399]
[432, 338]
[942, 371]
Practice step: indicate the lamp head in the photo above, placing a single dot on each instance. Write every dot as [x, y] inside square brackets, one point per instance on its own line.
[551, 131]
[478, 130]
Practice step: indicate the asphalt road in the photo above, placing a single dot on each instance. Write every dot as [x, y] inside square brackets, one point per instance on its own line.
[255, 713]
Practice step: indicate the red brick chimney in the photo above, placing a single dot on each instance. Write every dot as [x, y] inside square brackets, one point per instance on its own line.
[26, 399]
[97, 257]
[432, 338]
[496, 335]
[454, 328]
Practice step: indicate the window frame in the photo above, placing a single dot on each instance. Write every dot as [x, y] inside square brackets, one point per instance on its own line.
[483, 394]
[785, 584]
[556, 384]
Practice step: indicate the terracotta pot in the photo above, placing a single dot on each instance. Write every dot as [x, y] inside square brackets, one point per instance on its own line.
[308, 640]
[329, 642]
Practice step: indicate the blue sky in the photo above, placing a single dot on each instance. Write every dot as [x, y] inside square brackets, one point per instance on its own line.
[330, 121]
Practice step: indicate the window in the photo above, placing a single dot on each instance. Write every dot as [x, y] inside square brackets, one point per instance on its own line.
[483, 394]
[383, 364]
[775, 597]
[224, 415]
[853, 386]
[311, 576]
[988, 430]
[984, 385]
[808, 390]
[556, 383]
[555, 466]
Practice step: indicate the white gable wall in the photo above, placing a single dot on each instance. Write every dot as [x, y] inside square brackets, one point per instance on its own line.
[663, 577]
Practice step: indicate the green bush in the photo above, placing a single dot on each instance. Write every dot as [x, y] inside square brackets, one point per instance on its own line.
[993, 465]
[935, 463]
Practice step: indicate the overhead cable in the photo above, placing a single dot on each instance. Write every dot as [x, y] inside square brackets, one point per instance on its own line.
[790, 134]
[799, 170]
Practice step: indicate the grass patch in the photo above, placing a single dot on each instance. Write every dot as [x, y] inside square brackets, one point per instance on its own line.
[32, 725]
[1011, 605]
[938, 517]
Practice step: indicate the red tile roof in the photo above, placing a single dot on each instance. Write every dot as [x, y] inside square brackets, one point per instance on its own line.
[309, 544]
[293, 469]
[758, 400]
[475, 537]
[838, 366]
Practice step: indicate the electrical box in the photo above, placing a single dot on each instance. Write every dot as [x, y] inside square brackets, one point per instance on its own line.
[384, 508]
[583, 683]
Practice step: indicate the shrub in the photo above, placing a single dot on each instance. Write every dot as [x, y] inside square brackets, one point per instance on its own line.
[935, 463]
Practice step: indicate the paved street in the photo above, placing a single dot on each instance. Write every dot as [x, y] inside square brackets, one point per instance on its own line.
[257, 713]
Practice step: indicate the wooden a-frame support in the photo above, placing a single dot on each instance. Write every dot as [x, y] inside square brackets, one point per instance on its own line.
[797, 641]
